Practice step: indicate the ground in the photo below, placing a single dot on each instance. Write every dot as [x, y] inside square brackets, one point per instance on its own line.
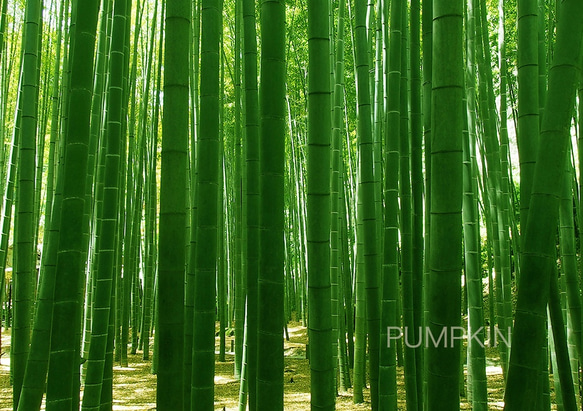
[135, 386]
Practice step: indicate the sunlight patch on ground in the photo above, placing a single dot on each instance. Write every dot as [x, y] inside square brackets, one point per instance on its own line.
[124, 369]
[221, 379]
[296, 330]
[5, 361]
[493, 370]
[296, 399]
[142, 407]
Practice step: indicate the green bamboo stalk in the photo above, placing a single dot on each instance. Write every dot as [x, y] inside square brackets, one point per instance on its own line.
[323, 378]
[506, 206]
[24, 273]
[238, 245]
[367, 204]
[207, 193]
[426, 105]
[569, 259]
[37, 362]
[417, 182]
[252, 194]
[378, 121]
[405, 226]
[222, 255]
[528, 98]
[192, 202]
[3, 18]
[539, 244]
[95, 180]
[62, 387]
[359, 362]
[347, 277]
[473, 271]
[493, 183]
[579, 186]
[134, 183]
[499, 156]
[270, 320]
[149, 194]
[106, 236]
[446, 205]
[244, 382]
[563, 370]
[172, 258]
[38, 359]
[388, 371]
[96, 160]
[3, 104]
[336, 184]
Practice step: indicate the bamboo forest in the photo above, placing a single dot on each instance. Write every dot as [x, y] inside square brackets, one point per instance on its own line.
[291, 204]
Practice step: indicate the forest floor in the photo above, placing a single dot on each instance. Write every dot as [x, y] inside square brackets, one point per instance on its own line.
[135, 386]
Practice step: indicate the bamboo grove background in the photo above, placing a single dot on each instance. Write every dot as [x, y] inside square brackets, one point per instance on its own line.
[172, 168]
